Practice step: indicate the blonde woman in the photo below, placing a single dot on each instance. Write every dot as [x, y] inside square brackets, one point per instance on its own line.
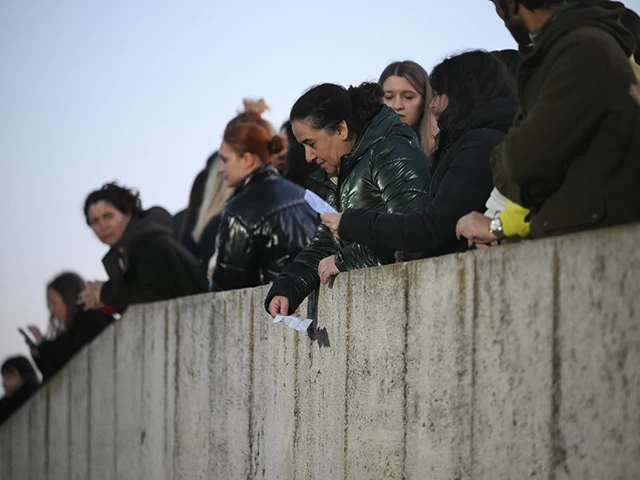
[408, 92]
[216, 194]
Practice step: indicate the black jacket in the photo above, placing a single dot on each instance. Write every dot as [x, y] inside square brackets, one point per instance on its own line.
[264, 225]
[54, 354]
[207, 243]
[153, 267]
[573, 155]
[385, 171]
[462, 182]
[9, 405]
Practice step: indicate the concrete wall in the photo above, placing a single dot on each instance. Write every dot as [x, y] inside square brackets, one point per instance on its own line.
[520, 362]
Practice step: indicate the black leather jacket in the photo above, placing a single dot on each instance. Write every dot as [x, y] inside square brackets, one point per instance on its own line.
[385, 171]
[264, 225]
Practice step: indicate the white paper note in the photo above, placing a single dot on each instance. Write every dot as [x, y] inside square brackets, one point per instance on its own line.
[317, 203]
[300, 324]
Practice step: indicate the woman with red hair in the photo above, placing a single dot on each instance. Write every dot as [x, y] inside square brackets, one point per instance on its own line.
[266, 221]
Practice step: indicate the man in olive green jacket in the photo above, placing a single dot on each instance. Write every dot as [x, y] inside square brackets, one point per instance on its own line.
[573, 155]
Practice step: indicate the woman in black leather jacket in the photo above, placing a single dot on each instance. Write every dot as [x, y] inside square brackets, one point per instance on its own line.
[370, 159]
[266, 221]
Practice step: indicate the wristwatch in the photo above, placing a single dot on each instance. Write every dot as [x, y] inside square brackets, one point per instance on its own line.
[495, 227]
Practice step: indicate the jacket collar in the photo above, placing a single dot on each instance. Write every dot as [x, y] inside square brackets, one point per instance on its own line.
[385, 124]
[259, 174]
[156, 221]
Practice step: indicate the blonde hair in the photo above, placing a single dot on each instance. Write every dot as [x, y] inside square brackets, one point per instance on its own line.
[216, 194]
[419, 78]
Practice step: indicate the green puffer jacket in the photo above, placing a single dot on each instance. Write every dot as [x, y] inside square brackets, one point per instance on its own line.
[386, 172]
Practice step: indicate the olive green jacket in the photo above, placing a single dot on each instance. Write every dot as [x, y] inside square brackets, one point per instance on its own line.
[573, 155]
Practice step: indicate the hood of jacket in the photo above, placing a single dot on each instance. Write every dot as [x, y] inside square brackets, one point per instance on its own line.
[589, 13]
[384, 125]
[259, 174]
[155, 221]
[496, 114]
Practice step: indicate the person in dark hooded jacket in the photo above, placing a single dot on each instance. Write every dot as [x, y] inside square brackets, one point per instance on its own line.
[370, 159]
[71, 327]
[146, 263]
[475, 106]
[20, 382]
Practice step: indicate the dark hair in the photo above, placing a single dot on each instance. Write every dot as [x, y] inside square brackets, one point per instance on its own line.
[469, 80]
[22, 367]
[535, 4]
[196, 196]
[328, 105]
[127, 200]
[68, 285]
[419, 79]
[511, 60]
[631, 21]
[296, 168]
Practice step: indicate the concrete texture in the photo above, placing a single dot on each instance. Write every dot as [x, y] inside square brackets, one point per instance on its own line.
[153, 394]
[230, 380]
[598, 356]
[320, 409]
[103, 385]
[519, 362]
[37, 412]
[79, 445]
[375, 413]
[57, 427]
[439, 368]
[513, 344]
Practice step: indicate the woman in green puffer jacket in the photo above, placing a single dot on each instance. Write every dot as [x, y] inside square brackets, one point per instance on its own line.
[370, 159]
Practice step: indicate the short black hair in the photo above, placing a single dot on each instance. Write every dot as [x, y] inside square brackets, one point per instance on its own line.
[329, 104]
[469, 79]
[22, 367]
[511, 59]
[127, 200]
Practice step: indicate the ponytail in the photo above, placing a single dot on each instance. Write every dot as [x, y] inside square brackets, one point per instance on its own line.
[326, 106]
[276, 145]
[366, 101]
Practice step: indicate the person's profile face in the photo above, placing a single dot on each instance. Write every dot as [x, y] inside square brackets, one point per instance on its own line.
[234, 167]
[322, 147]
[514, 23]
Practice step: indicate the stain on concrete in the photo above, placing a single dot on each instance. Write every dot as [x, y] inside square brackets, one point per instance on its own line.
[558, 440]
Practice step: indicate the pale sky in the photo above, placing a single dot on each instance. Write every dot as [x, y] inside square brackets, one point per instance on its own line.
[140, 91]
